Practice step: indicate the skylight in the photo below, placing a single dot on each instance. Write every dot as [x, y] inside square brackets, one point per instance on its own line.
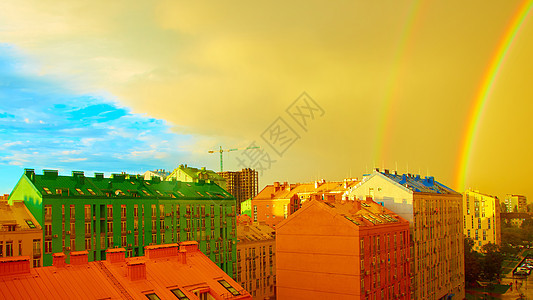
[47, 190]
[228, 287]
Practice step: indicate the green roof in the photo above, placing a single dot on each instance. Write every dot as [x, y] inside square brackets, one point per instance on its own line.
[51, 184]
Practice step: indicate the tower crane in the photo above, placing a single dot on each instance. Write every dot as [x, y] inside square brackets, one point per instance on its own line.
[229, 150]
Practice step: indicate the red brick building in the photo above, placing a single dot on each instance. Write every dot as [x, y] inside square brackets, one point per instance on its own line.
[343, 250]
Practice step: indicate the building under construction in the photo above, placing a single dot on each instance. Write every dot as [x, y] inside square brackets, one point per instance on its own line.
[243, 185]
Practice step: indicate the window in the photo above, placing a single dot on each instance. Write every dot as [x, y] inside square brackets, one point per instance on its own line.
[88, 228]
[1, 249]
[48, 211]
[123, 211]
[31, 225]
[47, 247]
[47, 229]
[110, 241]
[91, 192]
[228, 287]
[109, 211]
[152, 296]
[80, 191]
[135, 210]
[124, 241]
[88, 244]
[47, 190]
[37, 247]
[72, 211]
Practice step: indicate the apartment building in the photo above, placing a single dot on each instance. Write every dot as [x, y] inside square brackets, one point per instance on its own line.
[20, 234]
[243, 185]
[256, 262]
[343, 250]
[435, 215]
[276, 202]
[481, 218]
[186, 173]
[92, 214]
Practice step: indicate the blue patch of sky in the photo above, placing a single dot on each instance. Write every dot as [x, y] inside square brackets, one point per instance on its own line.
[44, 124]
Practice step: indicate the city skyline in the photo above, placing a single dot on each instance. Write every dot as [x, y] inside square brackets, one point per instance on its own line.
[437, 89]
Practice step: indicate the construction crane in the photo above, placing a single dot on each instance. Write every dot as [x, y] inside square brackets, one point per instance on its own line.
[229, 150]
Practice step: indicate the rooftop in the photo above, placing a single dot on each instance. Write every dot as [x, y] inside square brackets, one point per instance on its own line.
[16, 217]
[418, 184]
[249, 232]
[51, 184]
[167, 271]
[286, 191]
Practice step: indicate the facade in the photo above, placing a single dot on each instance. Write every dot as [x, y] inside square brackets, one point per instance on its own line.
[161, 173]
[20, 234]
[343, 250]
[516, 203]
[435, 215]
[97, 213]
[481, 219]
[166, 272]
[189, 174]
[278, 201]
[243, 185]
[256, 262]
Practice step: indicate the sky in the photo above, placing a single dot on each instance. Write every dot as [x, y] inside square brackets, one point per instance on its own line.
[325, 90]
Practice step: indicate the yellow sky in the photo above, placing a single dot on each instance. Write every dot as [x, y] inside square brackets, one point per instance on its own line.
[395, 78]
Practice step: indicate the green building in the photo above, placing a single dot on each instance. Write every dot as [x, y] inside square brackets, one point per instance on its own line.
[96, 213]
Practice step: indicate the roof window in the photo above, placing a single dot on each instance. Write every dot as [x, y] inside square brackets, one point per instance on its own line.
[152, 296]
[80, 191]
[47, 190]
[179, 294]
[228, 287]
[30, 223]
[91, 192]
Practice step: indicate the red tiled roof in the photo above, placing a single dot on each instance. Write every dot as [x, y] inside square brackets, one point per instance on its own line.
[105, 280]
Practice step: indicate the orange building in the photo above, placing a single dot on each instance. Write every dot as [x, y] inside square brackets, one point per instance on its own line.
[343, 250]
[278, 201]
[169, 271]
[20, 234]
[256, 264]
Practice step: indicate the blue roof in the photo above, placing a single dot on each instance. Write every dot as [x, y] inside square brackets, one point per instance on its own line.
[420, 185]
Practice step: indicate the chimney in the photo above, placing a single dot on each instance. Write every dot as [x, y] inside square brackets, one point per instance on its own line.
[386, 171]
[276, 186]
[58, 260]
[182, 256]
[79, 258]
[369, 199]
[357, 205]
[30, 173]
[136, 269]
[115, 255]
[158, 251]
[190, 246]
[376, 169]
[14, 265]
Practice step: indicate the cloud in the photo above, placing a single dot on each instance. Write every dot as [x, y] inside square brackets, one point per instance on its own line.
[75, 131]
[396, 80]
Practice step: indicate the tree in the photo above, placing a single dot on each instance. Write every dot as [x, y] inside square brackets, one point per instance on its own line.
[472, 262]
[492, 261]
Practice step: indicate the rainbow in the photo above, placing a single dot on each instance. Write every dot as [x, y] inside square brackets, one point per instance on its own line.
[392, 88]
[483, 92]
